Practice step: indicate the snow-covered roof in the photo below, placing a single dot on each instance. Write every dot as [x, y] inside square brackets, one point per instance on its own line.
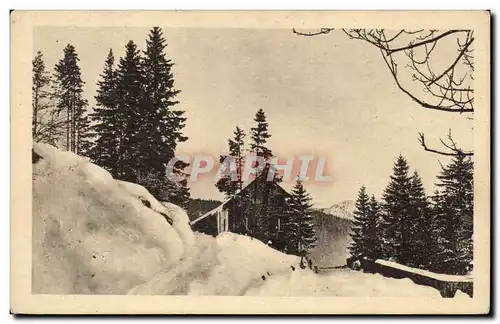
[211, 212]
[437, 276]
[219, 208]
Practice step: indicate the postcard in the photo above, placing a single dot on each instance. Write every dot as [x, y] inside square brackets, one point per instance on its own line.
[250, 162]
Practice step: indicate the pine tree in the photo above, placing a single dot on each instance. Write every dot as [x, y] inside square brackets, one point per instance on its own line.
[130, 117]
[372, 232]
[161, 130]
[455, 208]
[358, 248]
[83, 134]
[46, 127]
[441, 254]
[41, 79]
[421, 238]
[260, 135]
[288, 240]
[69, 93]
[262, 214]
[236, 149]
[226, 184]
[300, 203]
[107, 127]
[176, 193]
[365, 228]
[395, 223]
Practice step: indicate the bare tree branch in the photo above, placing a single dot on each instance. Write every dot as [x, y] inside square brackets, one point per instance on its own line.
[427, 41]
[321, 31]
[454, 151]
[452, 66]
[448, 91]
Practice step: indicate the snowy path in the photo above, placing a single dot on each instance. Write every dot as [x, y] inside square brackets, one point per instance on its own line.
[342, 282]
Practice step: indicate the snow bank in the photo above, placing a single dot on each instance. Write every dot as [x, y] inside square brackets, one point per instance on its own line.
[90, 235]
[196, 264]
[243, 263]
[343, 283]
[437, 276]
[96, 235]
[227, 265]
[175, 215]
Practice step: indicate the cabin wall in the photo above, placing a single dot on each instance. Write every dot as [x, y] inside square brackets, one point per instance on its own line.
[240, 221]
[243, 212]
[276, 199]
[240, 213]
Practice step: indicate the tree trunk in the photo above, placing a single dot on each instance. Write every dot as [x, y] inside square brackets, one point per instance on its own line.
[68, 112]
[35, 113]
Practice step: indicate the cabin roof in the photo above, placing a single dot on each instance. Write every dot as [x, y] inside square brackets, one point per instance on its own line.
[211, 212]
[221, 206]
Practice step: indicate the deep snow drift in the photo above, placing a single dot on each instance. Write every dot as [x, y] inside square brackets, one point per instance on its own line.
[93, 234]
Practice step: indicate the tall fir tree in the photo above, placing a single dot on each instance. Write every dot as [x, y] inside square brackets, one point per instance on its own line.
[105, 117]
[455, 208]
[237, 150]
[163, 123]
[70, 101]
[267, 214]
[227, 184]
[260, 135]
[136, 126]
[372, 233]
[287, 236]
[365, 227]
[45, 124]
[176, 193]
[262, 214]
[41, 81]
[129, 117]
[441, 255]
[395, 223]
[421, 238]
[300, 205]
[358, 248]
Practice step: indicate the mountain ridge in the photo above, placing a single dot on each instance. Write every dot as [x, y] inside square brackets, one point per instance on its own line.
[344, 209]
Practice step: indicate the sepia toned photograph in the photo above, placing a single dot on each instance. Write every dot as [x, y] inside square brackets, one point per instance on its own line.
[297, 159]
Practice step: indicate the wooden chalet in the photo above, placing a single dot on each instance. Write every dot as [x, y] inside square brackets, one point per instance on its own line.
[239, 214]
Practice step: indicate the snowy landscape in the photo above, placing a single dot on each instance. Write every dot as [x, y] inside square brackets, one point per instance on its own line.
[159, 171]
[109, 242]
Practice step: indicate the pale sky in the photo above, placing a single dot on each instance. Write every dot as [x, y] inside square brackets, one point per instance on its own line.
[324, 96]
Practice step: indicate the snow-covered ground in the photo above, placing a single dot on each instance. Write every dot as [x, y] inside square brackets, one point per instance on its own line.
[425, 273]
[96, 235]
